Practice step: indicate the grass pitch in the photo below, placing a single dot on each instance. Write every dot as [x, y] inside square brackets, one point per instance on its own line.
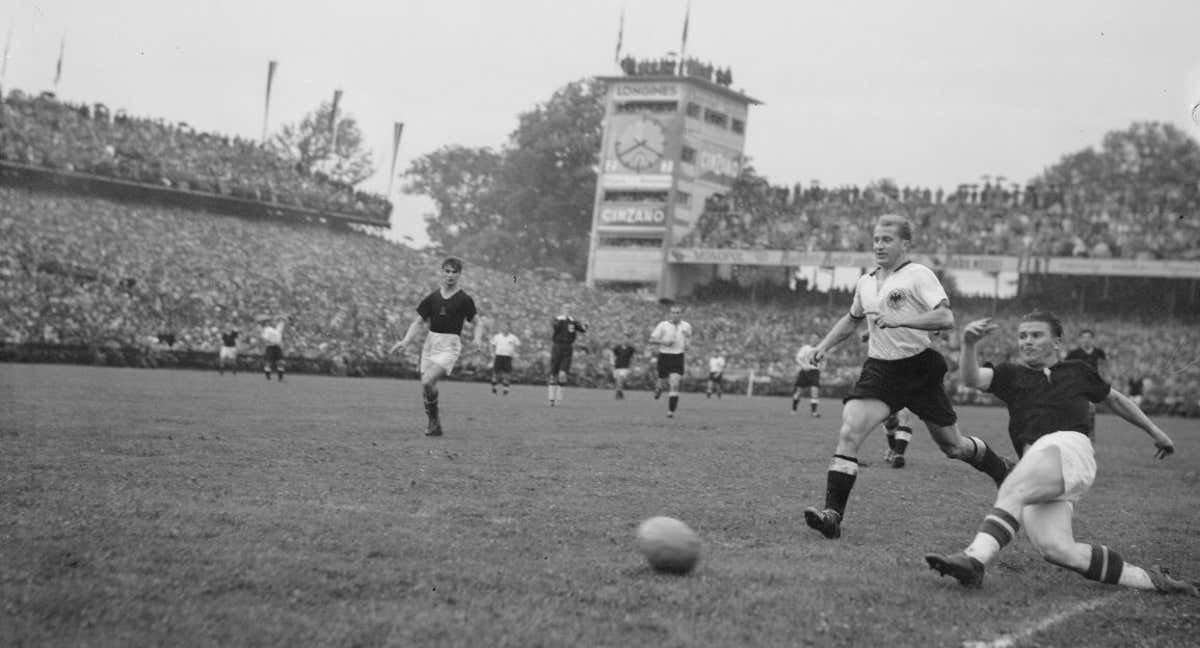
[183, 508]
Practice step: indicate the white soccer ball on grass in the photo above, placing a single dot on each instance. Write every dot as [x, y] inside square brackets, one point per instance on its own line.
[668, 544]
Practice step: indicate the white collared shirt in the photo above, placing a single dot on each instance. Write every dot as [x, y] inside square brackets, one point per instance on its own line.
[911, 289]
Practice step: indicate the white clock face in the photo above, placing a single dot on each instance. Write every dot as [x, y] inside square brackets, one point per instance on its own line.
[641, 145]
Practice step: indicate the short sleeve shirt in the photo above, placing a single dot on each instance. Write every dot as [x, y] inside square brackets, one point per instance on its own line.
[447, 314]
[1041, 401]
[911, 289]
[716, 364]
[622, 355]
[272, 335]
[505, 344]
[674, 336]
[229, 338]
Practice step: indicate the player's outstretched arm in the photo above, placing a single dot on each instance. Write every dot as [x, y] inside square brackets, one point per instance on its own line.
[1128, 410]
[841, 330]
[968, 360]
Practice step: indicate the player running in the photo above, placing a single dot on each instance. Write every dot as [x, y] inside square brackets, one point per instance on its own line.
[716, 375]
[272, 336]
[621, 356]
[671, 336]
[228, 355]
[442, 314]
[504, 348]
[902, 302]
[565, 329]
[808, 378]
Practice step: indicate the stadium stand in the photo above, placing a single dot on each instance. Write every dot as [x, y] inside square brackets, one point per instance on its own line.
[86, 278]
[44, 132]
[122, 280]
[994, 220]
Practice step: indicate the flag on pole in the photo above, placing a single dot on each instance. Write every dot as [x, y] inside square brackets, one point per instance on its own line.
[7, 44]
[397, 131]
[687, 17]
[62, 46]
[267, 106]
[333, 114]
[620, 36]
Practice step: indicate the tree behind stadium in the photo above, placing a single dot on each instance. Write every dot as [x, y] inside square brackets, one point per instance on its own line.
[309, 144]
[531, 206]
[1150, 166]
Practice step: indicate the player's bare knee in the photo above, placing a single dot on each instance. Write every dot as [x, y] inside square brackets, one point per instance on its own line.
[954, 450]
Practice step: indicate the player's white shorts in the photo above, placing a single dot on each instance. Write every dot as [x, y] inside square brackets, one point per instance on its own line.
[441, 349]
[1077, 458]
[621, 374]
[228, 353]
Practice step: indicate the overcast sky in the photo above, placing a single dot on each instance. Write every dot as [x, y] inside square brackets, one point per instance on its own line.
[929, 93]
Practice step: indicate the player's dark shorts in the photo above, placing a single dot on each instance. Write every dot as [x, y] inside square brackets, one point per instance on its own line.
[560, 357]
[716, 376]
[670, 363]
[914, 382]
[502, 364]
[806, 378]
[274, 354]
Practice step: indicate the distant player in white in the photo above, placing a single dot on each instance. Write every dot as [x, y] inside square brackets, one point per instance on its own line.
[808, 378]
[671, 336]
[504, 348]
[902, 303]
[272, 337]
[716, 375]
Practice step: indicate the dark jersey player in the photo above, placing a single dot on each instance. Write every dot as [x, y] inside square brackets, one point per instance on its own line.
[622, 357]
[565, 329]
[442, 313]
[1047, 404]
[228, 355]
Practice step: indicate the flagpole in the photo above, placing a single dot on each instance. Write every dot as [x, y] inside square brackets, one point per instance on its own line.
[620, 36]
[271, 65]
[333, 130]
[687, 18]
[62, 46]
[4, 63]
[397, 131]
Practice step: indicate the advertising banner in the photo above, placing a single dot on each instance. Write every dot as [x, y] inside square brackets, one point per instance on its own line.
[632, 215]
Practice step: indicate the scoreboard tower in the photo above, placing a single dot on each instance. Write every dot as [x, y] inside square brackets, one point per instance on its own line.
[670, 142]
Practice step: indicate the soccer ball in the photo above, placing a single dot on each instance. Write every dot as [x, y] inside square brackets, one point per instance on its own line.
[669, 545]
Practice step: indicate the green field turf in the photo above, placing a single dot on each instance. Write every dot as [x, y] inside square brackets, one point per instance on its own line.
[180, 508]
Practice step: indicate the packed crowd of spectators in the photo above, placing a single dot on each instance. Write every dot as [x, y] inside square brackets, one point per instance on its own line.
[44, 132]
[117, 276]
[992, 219]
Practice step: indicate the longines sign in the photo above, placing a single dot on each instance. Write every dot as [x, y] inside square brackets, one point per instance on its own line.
[646, 91]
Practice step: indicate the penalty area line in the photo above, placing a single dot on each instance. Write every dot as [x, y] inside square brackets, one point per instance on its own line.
[1015, 638]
